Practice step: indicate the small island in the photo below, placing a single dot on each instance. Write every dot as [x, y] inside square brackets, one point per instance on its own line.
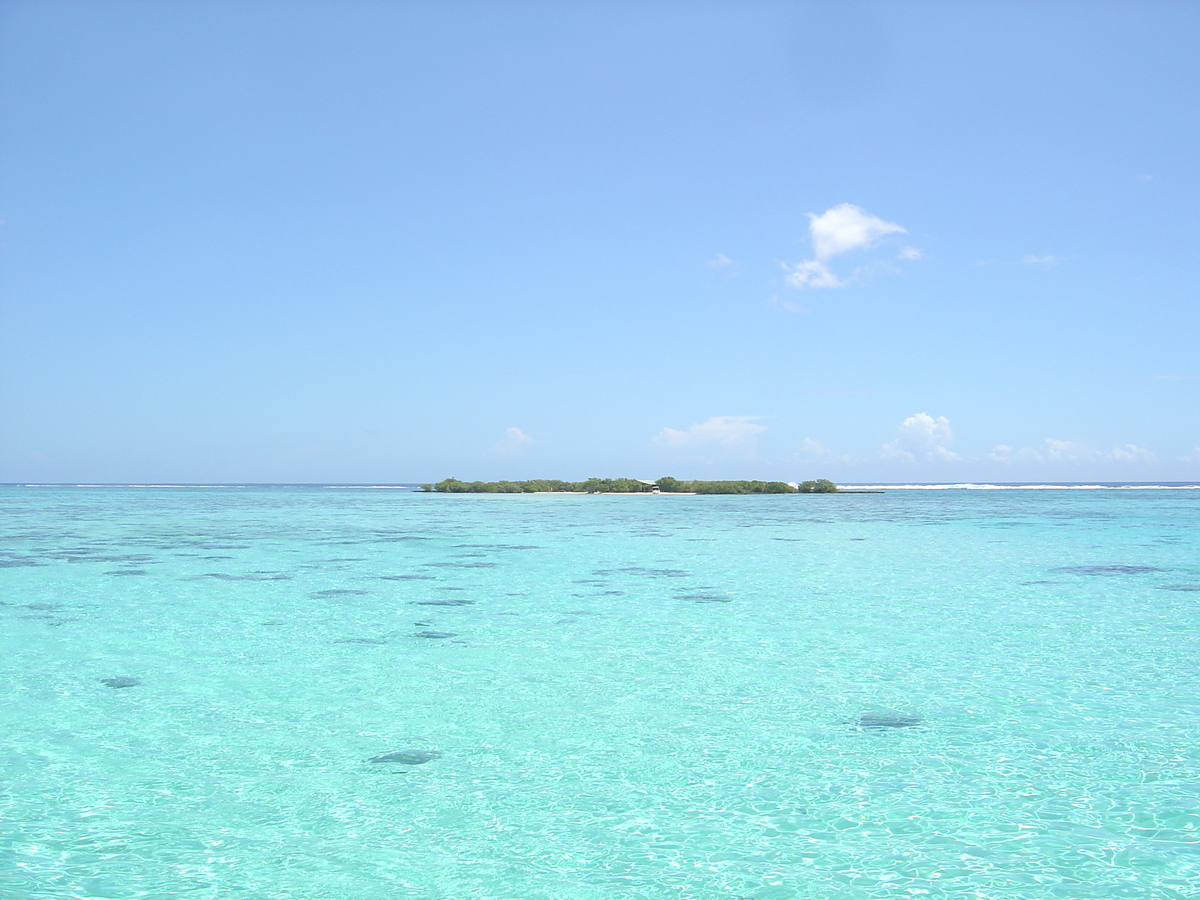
[666, 485]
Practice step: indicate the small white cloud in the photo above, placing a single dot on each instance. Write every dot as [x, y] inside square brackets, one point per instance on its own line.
[846, 227]
[731, 432]
[1131, 453]
[1053, 450]
[922, 436]
[720, 261]
[839, 230]
[893, 450]
[911, 253]
[1193, 457]
[1032, 260]
[812, 273]
[926, 429]
[811, 449]
[514, 440]
[789, 305]
[1001, 453]
[1145, 177]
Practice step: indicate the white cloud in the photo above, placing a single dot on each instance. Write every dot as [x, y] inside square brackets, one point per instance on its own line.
[891, 450]
[911, 253]
[1193, 457]
[814, 449]
[731, 432]
[1050, 450]
[720, 261]
[846, 227]
[789, 305]
[922, 436]
[838, 230]
[1032, 260]
[812, 273]
[1053, 450]
[514, 440]
[1131, 453]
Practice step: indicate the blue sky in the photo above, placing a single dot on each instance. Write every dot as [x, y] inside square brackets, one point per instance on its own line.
[352, 241]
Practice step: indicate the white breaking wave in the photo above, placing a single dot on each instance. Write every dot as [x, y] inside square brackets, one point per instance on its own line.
[972, 486]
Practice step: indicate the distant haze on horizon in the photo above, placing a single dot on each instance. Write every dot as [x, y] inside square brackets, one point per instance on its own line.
[362, 242]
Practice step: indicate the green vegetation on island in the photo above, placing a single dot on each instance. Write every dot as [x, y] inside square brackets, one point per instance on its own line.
[665, 485]
[820, 486]
[671, 486]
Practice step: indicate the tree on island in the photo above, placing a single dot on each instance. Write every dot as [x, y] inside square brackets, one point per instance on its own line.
[674, 486]
[820, 486]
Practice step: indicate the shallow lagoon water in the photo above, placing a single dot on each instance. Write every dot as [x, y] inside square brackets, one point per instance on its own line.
[611, 697]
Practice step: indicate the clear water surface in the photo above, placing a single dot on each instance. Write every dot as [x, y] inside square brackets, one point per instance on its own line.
[613, 697]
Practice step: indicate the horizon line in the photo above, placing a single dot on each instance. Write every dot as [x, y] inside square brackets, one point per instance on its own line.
[383, 485]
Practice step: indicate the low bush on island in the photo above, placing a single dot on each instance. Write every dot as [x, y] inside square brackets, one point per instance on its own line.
[671, 486]
[820, 486]
[666, 485]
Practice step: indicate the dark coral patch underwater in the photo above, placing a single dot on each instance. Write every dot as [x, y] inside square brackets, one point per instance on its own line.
[121, 681]
[1107, 570]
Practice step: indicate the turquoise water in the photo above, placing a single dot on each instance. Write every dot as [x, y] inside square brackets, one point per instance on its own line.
[618, 697]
